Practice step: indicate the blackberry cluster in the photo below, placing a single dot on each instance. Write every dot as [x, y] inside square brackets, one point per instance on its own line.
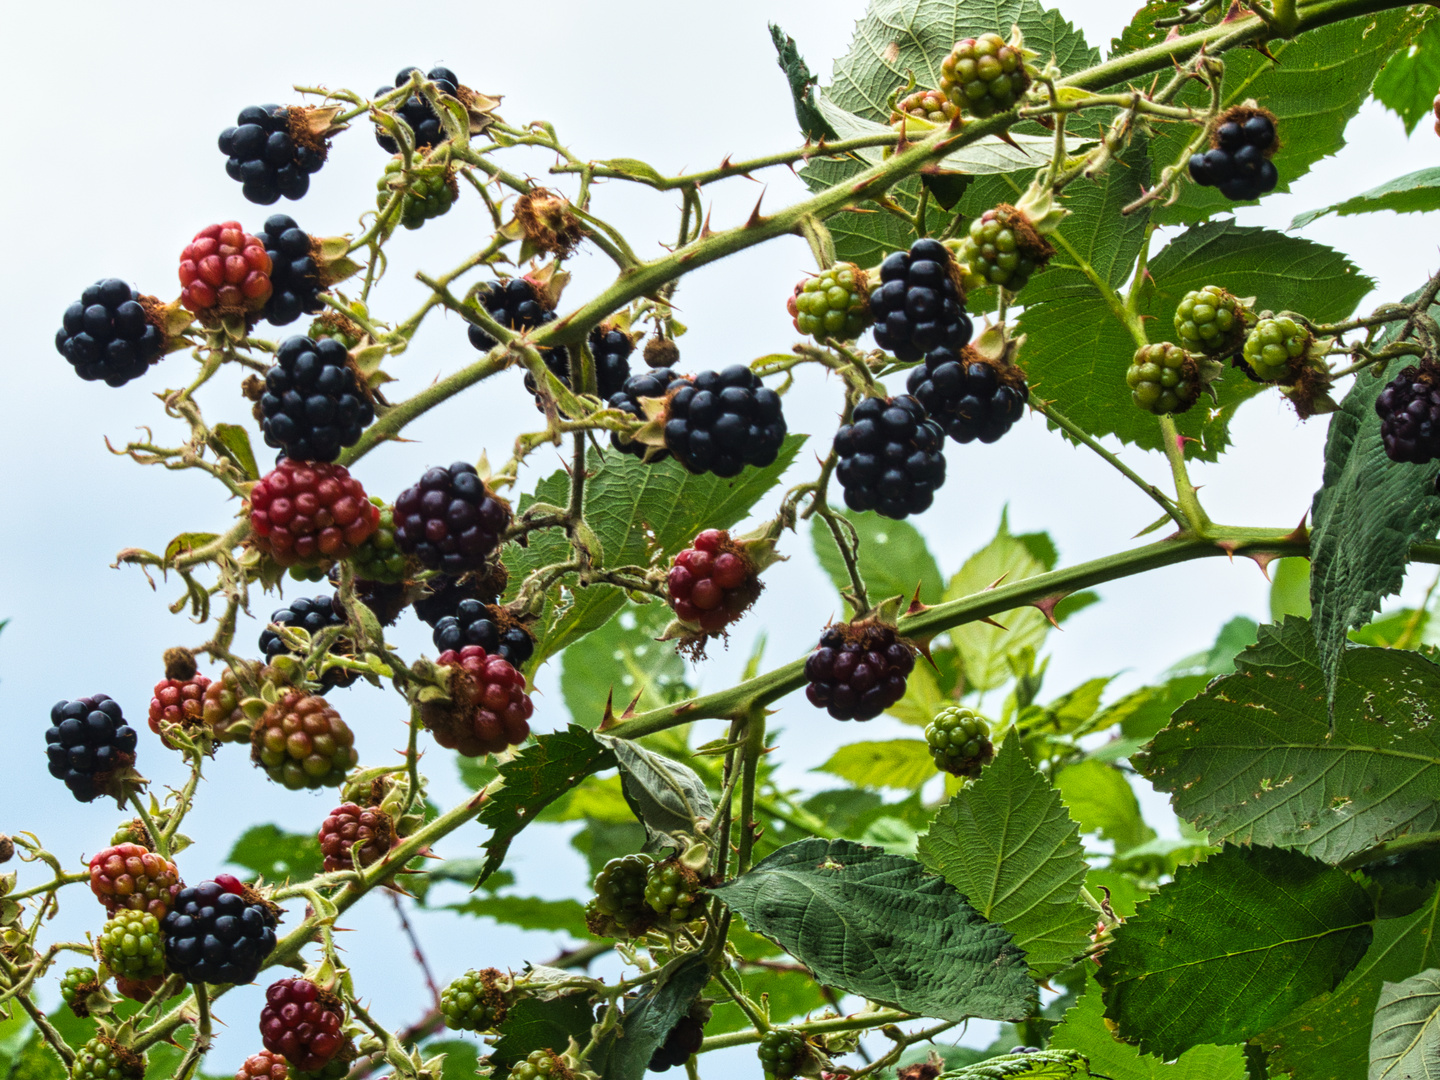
[88, 740]
[932, 106]
[489, 627]
[473, 1002]
[427, 192]
[224, 271]
[984, 75]
[78, 984]
[178, 701]
[1210, 321]
[215, 935]
[130, 945]
[959, 741]
[832, 304]
[294, 273]
[967, 396]
[673, 892]
[1274, 347]
[916, 306]
[314, 404]
[541, 1065]
[1409, 411]
[263, 1066]
[681, 1043]
[1002, 248]
[128, 877]
[416, 111]
[263, 153]
[379, 559]
[1238, 161]
[656, 383]
[107, 335]
[102, 1058]
[301, 1023]
[450, 520]
[488, 708]
[348, 825]
[711, 583]
[312, 615]
[619, 908]
[1163, 378]
[782, 1053]
[858, 671]
[301, 742]
[890, 459]
[724, 420]
[304, 513]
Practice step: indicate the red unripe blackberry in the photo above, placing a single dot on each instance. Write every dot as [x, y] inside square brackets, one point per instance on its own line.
[264, 154]
[916, 305]
[348, 825]
[416, 111]
[220, 708]
[858, 671]
[1409, 411]
[178, 701]
[450, 520]
[87, 744]
[107, 334]
[890, 457]
[128, 877]
[302, 1022]
[224, 271]
[490, 627]
[712, 583]
[314, 404]
[488, 708]
[311, 614]
[214, 934]
[302, 742]
[263, 1066]
[304, 513]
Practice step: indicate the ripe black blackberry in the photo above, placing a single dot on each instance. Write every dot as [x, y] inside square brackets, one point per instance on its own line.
[655, 383]
[88, 741]
[970, 397]
[215, 935]
[314, 404]
[519, 305]
[917, 306]
[490, 627]
[683, 1040]
[450, 520]
[723, 421]
[890, 457]
[611, 351]
[416, 111]
[1409, 411]
[1238, 161]
[312, 615]
[858, 670]
[485, 585]
[269, 154]
[294, 274]
[108, 335]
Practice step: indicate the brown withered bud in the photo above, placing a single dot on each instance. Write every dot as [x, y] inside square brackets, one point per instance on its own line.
[548, 222]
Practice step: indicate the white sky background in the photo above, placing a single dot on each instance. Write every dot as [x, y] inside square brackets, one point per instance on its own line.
[111, 167]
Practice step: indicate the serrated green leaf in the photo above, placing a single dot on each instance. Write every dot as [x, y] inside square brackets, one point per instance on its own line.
[186, 543]
[1048, 1064]
[1230, 946]
[1141, 30]
[802, 87]
[894, 558]
[1413, 193]
[879, 926]
[234, 442]
[269, 851]
[532, 1024]
[1405, 1042]
[1253, 759]
[1405, 85]
[1101, 800]
[667, 796]
[622, 658]
[648, 1020]
[528, 913]
[902, 764]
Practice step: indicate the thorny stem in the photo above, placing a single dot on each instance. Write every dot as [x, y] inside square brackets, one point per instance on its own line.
[162, 841]
[750, 752]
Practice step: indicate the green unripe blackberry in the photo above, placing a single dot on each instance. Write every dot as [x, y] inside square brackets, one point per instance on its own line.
[104, 1059]
[428, 192]
[1210, 321]
[932, 106]
[541, 1065]
[1273, 346]
[473, 1002]
[1003, 249]
[78, 984]
[380, 558]
[131, 946]
[833, 304]
[984, 75]
[1163, 378]
[673, 892]
[619, 908]
[959, 741]
[782, 1053]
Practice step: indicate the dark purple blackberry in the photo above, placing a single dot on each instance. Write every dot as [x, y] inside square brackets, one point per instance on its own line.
[480, 624]
[682, 1042]
[648, 384]
[313, 404]
[967, 396]
[723, 421]
[890, 457]
[264, 156]
[1238, 161]
[294, 276]
[88, 740]
[450, 520]
[107, 335]
[311, 614]
[1409, 411]
[447, 593]
[214, 935]
[917, 307]
[417, 112]
[858, 671]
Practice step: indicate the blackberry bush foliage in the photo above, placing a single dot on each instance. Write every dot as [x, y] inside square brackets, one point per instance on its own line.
[557, 574]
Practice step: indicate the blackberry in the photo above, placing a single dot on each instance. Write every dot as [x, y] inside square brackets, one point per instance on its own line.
[485, 585]
[833, 304]
[314, 403]
[619, 908]
[1409, 411]
[141, 990]
[224, 272]
[984, 75]
[518, 304]
[1210, 321]
[959, 741]
[490, 627]
[1238, 161]
[1275, 348]
[294, 273]
[474, 1002]
[88, 743]
[931, 106]
[682, 1042]
[270, 153]
[783, 1053]
[1002, 248]
[305, 513]
[263, 1066]
[488, 708]
[178, 701]
[712, 583]
[1163, 378]
[221, 710]
[129, 877]
[416, 111]
[655, 383]
[311, 615]
[673, 892]
[611, 351]
[426, 192]
[967, 395]
[214, 934]
[348, 825]
[541, 1065]
[301, 742]
[724, 420]
[918, 305]
[102, 1058]
[890, 459]
[858, 671]
[130, 945]
[77, 986]
[379, 559]
[450, 520]
[301, 1022]
[108, 335]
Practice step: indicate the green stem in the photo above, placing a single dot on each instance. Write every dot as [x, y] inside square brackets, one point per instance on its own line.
[859, 1022]
[750, 760]
[157, 837]
[1194, 513]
